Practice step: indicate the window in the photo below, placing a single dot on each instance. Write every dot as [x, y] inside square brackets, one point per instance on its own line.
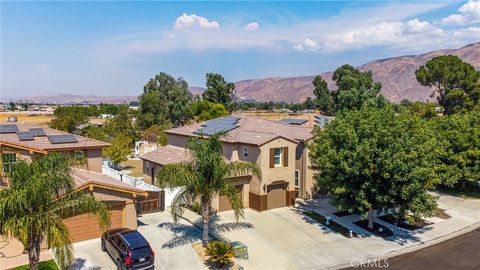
[277, 156]
[147, 166]
[297, 178]
[79, 154]
[245, 152]
[8, 159]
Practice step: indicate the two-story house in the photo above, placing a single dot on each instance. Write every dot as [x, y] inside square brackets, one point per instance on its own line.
[279, 149]
[25, 141]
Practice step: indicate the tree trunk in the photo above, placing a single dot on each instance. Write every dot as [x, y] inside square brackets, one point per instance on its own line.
[34, 252]
[370, 219]
[206, 207]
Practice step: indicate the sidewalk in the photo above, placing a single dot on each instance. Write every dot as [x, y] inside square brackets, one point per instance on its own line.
[11, 254]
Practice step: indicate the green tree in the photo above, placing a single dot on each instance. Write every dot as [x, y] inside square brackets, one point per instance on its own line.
[459, 140]
[456, 82]
[121, 123]
[372, 159]
[119, 149]
[164, 99]
[40, 195]
[206, 110]
[156, 133]
[219, 90]
[206, 175]
[69, 118]
[424, 110]
[323, 98]
[309, 104]
[355, 89]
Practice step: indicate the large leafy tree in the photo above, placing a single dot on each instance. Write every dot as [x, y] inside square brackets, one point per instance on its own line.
[40, 195]
[373, 159]
[206, 175]
[459, 136]
[164, 99]
[206, 110]
[219, 90]
[456, 82]
[119, 149]
[323, 98]
[355, 89]
[121, 123]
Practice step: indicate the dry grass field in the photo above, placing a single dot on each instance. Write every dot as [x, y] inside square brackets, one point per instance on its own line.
[31, 117]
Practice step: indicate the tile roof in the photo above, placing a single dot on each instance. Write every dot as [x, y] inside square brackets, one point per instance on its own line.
[167, 155]
[84, 177]
[42, 143]
[254, 130]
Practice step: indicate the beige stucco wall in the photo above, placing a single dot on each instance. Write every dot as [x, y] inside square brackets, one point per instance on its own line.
[270, 175]
[94, 159]
[177, 140]
[130, 213]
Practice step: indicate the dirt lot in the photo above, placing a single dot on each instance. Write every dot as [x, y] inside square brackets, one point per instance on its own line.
[31, 117]
[134, 166]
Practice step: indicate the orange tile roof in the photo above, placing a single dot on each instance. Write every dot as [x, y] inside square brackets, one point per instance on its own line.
[43, 144]
[167, 155]
[254, 130]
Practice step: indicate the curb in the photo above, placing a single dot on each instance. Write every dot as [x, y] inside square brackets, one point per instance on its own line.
[414, 247]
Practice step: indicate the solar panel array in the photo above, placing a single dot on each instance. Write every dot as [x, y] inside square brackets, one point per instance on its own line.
[321, 120]
[59, 139]
[220, 125]
[38, 132]
[293, 121]
[8, 128]
[25, 136]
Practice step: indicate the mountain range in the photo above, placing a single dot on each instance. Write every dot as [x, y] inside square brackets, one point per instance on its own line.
[397, 76]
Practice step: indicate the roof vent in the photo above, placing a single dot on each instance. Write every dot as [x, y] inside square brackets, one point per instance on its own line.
[12, 119]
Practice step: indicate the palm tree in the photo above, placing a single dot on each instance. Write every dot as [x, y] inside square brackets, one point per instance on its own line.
[206, 175]
[40, 195]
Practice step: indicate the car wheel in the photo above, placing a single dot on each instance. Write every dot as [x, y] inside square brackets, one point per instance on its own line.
[119, 265]
[103, 246]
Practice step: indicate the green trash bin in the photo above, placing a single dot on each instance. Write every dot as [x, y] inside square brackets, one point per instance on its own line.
[240, 250]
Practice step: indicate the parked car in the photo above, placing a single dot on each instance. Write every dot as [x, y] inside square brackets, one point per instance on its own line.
[128, 248]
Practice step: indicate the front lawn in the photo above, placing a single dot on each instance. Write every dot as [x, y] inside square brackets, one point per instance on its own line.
[334, 226]
[46, 265]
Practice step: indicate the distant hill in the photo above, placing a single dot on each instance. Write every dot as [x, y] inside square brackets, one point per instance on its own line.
[397, 76]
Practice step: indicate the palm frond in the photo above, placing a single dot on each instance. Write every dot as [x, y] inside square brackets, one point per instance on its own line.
[176, 175]
[181, 199]
[242, 168]
[232, 194]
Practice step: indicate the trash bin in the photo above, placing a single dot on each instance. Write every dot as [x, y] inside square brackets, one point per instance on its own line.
[240, 250]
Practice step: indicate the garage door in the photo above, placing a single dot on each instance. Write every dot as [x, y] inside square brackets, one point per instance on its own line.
[276, 196]
[86, 226]
[224, 203]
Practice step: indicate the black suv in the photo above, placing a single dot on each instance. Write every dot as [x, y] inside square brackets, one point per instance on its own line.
[128, 248]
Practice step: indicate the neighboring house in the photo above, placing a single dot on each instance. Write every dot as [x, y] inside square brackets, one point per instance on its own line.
[25, 141]
[279, 149]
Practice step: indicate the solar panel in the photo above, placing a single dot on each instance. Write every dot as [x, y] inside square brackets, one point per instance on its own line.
[38, 132]
[224, 124]
[8, 128]
[25, 136]
[58, 139]
[293, 121]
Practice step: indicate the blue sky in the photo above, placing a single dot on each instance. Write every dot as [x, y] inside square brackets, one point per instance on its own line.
[113, 48]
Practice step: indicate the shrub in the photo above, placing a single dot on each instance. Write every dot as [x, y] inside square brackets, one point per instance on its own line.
[220, 253]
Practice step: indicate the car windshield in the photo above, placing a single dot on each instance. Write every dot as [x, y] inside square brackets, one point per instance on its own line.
[141, 252]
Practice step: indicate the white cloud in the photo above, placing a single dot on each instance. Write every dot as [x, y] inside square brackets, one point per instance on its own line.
[193, 21]
[417, 26]
[251, 26]
[308, 45]
[467, 13]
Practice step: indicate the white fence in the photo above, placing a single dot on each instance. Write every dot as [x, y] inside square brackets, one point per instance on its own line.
[135, 182]
[139, 183]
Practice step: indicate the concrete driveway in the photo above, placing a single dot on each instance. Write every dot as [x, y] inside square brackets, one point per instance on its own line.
[171, 243]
